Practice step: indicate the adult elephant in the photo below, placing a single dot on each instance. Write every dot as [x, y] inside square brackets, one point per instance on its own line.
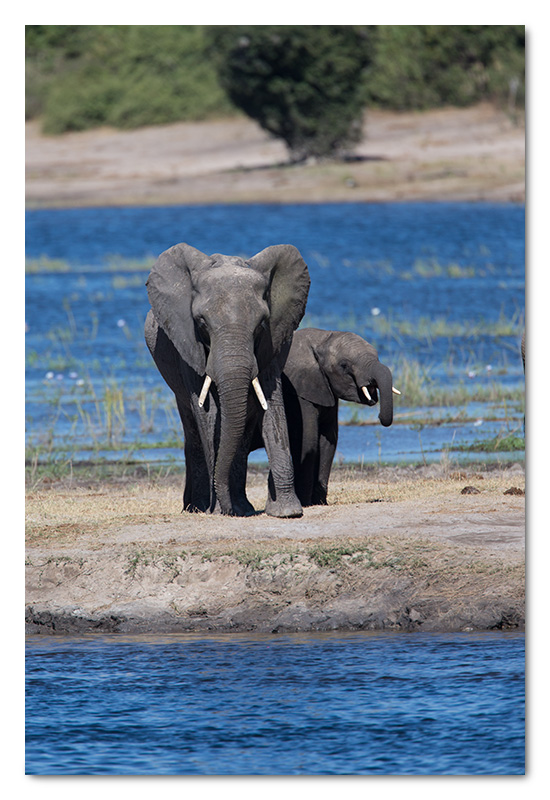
[219, 326]
[322, 368]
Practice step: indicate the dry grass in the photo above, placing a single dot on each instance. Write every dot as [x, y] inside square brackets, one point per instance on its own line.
[63, 511]
[355, 488]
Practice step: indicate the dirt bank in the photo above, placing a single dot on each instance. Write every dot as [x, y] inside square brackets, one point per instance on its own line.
[448, 154]
[402, 548]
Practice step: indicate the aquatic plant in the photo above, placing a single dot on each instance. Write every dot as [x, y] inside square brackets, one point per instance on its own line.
[443, 327]
[385, 327]
[508, 443]
[46, 264]
[109, 263]
[126, 282]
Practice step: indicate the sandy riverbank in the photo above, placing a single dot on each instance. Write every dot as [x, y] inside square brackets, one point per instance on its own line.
[472, 154]
[400, 548]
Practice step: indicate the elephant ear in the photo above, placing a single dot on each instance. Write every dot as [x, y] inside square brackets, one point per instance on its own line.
[305, 372]
[288, 278]
[169, 288]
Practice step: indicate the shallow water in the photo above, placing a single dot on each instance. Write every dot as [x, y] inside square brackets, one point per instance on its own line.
[379, 270]
[330, 704]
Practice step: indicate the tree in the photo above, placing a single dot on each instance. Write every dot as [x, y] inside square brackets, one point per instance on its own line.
[303, 84]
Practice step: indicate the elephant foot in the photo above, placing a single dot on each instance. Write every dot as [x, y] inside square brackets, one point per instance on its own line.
[284, 507]
[238, 508]
[243, 508]
[195, 508]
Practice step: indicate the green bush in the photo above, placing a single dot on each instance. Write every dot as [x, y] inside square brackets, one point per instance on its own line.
[123, 75]
[425, 66]
[303, 84]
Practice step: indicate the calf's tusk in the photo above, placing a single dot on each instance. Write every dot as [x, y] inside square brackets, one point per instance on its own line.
[395, 391]
[366, 393]
[260, 394]
[204, 390]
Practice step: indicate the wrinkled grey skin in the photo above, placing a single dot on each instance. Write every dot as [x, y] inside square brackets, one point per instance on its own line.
[233, 320]
[322, 368]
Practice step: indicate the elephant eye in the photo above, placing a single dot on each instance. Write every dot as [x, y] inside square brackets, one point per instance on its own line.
[203, 330]
[261, 326]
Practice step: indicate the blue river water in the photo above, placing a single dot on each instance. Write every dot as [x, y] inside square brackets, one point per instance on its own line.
[330, 704]
[439, 288]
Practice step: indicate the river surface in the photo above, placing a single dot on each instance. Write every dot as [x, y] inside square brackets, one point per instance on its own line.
[438, 288]
[331, 704]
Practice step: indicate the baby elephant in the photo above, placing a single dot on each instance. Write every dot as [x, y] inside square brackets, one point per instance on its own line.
[323, 367]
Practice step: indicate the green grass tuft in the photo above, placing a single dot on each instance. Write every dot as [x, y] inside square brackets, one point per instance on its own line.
[498, 444]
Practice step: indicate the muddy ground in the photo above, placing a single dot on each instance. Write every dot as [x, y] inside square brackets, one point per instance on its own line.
[402, 548]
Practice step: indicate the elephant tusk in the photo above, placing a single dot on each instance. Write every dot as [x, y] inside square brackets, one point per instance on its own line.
[204, 390]
[260, 394]
[395, 391]
[366, 393]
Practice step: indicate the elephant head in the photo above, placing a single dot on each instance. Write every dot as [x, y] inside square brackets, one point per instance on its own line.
[325, 366]
[229, 319]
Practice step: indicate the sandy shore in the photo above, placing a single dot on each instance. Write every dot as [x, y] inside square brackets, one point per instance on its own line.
[407, 548]
[474, 154]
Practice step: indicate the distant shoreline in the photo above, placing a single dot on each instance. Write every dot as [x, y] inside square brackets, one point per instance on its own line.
[474, 154]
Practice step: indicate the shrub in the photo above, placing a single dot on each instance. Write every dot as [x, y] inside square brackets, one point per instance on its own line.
[423, 66]
[121, 75]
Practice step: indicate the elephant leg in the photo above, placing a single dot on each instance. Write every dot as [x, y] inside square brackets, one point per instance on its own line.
[328, 439]
[237, 479]
[197, 490]
[281, 499]
[305, 449]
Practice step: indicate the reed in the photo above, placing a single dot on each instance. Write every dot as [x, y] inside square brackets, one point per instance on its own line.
[46, 264]
[102, 411]
[387, 329]
[108, 414]
[428, 328]
[425, 267]
[110, 263]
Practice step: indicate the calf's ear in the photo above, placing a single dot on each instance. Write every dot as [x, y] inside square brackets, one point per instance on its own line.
[304, 372]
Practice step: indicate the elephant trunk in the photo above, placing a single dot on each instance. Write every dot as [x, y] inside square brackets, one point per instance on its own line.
[383, 377]
[232, 373]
